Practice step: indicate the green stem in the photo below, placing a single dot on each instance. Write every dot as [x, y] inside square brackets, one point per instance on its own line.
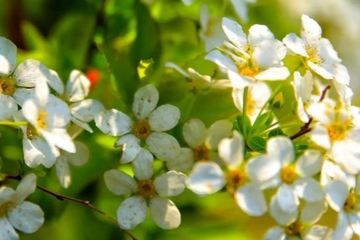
[16, 124]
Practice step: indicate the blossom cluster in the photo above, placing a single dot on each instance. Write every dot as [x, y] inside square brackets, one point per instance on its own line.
[294, 173]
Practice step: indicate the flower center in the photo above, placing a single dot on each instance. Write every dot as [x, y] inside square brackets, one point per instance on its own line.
[31, 132]
[201, 153]
[288, 175]
[337, 131]
[42, 120]
[3, 209]
[7, 86]
[142, 129]
[248, 70]
[350, 203]
[146, 189]
[235, 179]
[294, 229]
[314, 55]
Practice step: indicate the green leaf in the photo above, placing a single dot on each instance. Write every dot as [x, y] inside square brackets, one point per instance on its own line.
[256, 143]
[276, 132]
[262, 123]
[241, 127]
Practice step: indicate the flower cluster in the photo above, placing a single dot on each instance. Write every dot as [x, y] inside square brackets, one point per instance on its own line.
[295, 167]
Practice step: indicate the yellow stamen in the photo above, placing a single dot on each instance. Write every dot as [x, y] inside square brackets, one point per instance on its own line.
[288, 175]
[248, 70]
[42, 120]
[314, 55]
[201, 153]
[350, 203]
[142, 129]
[337, 131]
[146, 189]
[7, 86]
[235, 179]
[294, 229]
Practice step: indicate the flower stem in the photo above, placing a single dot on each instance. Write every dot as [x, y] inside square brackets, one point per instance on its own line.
[16, 124]
[79, 201]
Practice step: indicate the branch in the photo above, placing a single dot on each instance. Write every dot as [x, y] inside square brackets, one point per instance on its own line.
[79, 201]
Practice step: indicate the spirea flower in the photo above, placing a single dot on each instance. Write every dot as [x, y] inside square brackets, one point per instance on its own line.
[146, 191]
[16, 213]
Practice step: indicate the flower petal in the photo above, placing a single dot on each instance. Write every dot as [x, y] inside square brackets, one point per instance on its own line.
[131, 212]
[163, 145]
[7, 56]
[165, 213]
[183, 162]
[77, 87]
[287, 199]
[337, 193]
[87, 109]
[282, 217]
[7, 231]
[282, 149]
[119, 182]
[26, 217]
[217, 131]
[170, 184]
[26, 187]
[164, 118]
[231, 150]
[130, 146]
[80, 157]
[145, 101]
[194, 132]
[234, 32]
[30, 73]
[63, 171]
[309, 163]
[251, 200]
[113, 122]
[143, 165]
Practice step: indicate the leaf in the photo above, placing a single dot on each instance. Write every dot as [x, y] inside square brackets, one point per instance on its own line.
[256, 143]
[262, 123]
[276, 132]
[241, 127]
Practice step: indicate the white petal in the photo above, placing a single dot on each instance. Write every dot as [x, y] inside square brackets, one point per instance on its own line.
[87, 109]
[170, 184]
[77, 87]
[337, 193]
[282, 149]
[113, 122]
[163, 145]
[119, 182]
[259, 33]
[295, 44]
[63, 171]
[143, 165]
[222, 61]
[31, 72]
[6, 194]
[312, 212]
[282, 217]
[240, 9]
[183, 162]
[234, 32]
[7, 231]
[60, 138]
[287, 199]
[343, 229]
[131, 147]
[26, 187]
[231, 150]
[262, 169]
[145, 101]
[275, 233]
[7, 56]
[26, 217]
[239, 81]
[165, 213]
[309, 163]
[310, 29]
[205, 178]
[194, 132]
[164, 118]
[312, 191]
[273, 74]
[354, 220]
[80, 157]
[319, 232]
[320, 136]
[251, 200]
[37, 151]
[8, 107]
[131, 212]
[55, 82]
[217, 131]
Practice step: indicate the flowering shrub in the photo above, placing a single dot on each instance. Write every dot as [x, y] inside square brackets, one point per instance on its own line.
[268, 122]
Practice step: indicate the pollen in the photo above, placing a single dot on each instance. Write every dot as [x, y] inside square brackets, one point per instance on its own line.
[42, 120]
[288, 175]
[337, 131]
[142, 129]
[201, 153]
[4, 208]
[294, 229]
[235, 179]
[7, 86]
[248, 70]
[146, 189]
[250, 104]
[350, 203]
[314, 55]
[31, 132]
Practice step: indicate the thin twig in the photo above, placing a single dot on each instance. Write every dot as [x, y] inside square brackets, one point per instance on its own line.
[306, 128]
[79, 201]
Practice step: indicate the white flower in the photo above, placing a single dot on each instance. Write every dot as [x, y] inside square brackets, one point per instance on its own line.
[257, 96]
[293, 226]
[133, 210]
[82, 110]
[16, 213]
[49, 119]
[343, 198]
[241, 9]
[18, 83]
[335, 132]
[276, 169]
[257, 56]
[303, 87]
[207, 178]
[79, 158]
[150, 127]
[318, 52]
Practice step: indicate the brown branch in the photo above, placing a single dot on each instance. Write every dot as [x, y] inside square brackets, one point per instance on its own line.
[79, 201]
[306, 128]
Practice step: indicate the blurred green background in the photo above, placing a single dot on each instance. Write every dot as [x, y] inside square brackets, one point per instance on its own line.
[112, 36]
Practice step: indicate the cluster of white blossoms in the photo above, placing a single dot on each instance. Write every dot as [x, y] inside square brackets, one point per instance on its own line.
[296, 175]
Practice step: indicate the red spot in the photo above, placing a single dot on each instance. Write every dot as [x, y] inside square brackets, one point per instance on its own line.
[94, 76]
